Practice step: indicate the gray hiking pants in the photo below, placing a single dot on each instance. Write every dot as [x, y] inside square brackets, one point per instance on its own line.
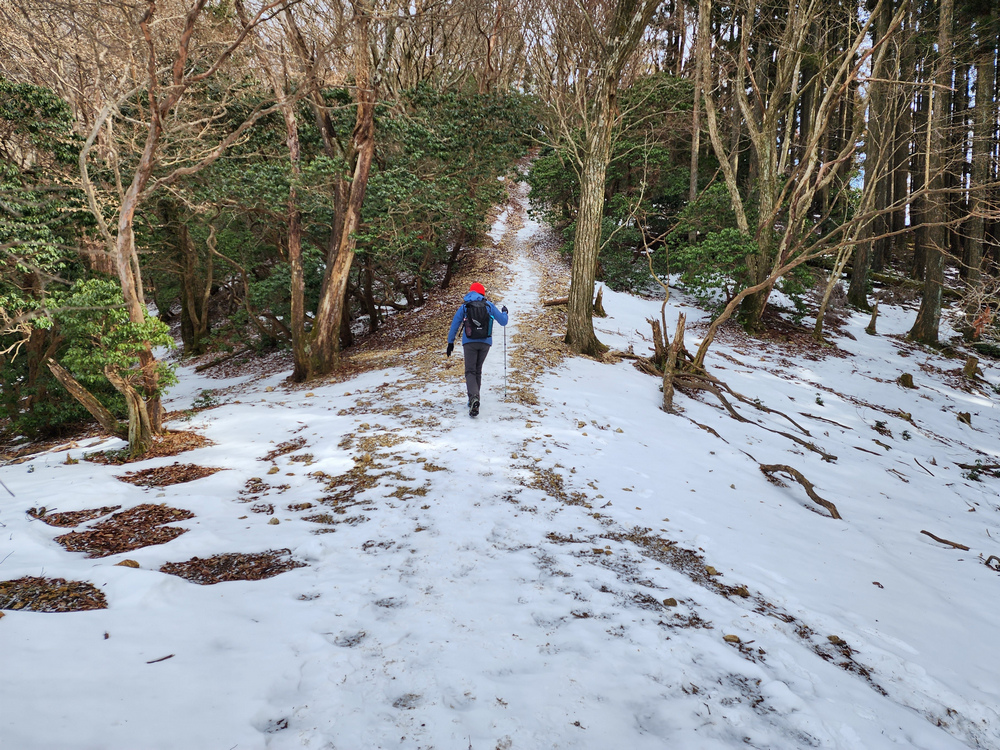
[475, 355]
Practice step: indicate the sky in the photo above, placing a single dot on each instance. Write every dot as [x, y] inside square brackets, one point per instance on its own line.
[574, 568]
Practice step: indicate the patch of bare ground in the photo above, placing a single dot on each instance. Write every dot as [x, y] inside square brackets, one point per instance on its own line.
[253, 566]
[141, 526]
[35, 594]
[163, 476]
[71, 518]
[169, 444]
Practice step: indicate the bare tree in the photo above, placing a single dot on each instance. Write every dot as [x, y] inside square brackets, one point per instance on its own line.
[788, 181]
[925, 327]
[582, 50]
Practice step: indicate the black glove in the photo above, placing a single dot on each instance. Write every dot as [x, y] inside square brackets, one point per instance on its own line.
[451, 348]
[503, 309]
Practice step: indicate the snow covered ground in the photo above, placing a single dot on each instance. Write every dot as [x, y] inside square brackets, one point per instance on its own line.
[573, 569]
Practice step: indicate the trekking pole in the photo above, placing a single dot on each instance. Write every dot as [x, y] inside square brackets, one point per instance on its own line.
[505, 363]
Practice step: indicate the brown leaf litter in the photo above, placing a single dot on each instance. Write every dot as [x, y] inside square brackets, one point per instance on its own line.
[163, 476]
[234, 567]
[71, 518]
[141, 526]
[50, 595]
[168, 444]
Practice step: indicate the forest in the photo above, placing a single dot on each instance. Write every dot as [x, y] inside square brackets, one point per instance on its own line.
[235, 177]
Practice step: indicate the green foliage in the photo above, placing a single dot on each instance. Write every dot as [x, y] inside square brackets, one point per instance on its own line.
[36, 121]
[41, 218]
[38, 212]
[710, 212]
[714, 270]
[796, 285]
[93, 318]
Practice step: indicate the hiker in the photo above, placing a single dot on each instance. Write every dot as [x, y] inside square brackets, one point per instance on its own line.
[477, 313]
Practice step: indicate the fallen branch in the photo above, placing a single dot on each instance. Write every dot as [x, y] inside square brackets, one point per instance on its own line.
[978, 467]
[220, 360]
[556, 301]
[795, 474]
[922, 466]
[956, 545]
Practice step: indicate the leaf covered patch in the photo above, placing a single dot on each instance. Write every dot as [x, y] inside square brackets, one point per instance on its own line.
[168, 444]
[234, 567]
[141, 526]
[163, 476]
[71, 518]
[50, 595]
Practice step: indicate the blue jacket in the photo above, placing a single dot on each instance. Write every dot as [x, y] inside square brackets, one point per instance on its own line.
[498, 315]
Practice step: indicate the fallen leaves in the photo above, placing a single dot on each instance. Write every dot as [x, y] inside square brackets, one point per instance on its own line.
[141, 526]
[234, 567]
[163, 476]
[50, 595]
[168, 444]
[71, 518]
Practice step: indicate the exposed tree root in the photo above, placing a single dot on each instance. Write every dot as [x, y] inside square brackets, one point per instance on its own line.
[795, 474]
[706, 428]
[707, 383]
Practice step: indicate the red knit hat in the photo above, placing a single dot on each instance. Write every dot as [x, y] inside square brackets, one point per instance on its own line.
[477, 287]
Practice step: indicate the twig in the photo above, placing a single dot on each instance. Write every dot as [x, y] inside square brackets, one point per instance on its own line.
[7, 488]
[6, 556]
[922, 466]
[990, 559]
[956, 545]
[824, 419]
[806, 485]
[162, 658]
[220, 360]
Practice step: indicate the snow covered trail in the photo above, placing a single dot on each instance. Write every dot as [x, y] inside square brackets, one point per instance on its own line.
[572, 569]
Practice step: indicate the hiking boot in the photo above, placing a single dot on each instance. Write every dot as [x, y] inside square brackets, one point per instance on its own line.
[474, 407]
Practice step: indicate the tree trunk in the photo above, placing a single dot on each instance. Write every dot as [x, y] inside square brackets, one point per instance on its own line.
[140, 429]
[630, 20]
[196, 289]
[695, 133]
[982, 146]
[324, 350]
[919, 211]
[925, 328]
[900, 167]
[580, 334]
[878, 147]
[86, 399]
